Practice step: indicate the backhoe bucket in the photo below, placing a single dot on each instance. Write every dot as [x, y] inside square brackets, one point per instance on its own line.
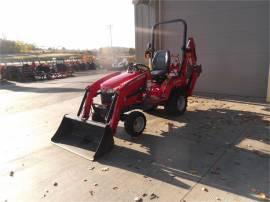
[88, 139]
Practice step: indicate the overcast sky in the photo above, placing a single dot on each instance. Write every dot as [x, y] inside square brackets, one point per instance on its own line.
[76, 24]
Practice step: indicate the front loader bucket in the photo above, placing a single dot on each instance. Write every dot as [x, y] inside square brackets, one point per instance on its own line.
[88, 139]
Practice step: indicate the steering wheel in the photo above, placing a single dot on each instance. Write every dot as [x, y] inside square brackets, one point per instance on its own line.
[138, 67]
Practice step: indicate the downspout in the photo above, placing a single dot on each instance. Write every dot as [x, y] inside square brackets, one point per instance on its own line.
[268, 86]
[159, 20]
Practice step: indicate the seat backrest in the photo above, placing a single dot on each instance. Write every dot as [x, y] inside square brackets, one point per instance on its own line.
[161, 60]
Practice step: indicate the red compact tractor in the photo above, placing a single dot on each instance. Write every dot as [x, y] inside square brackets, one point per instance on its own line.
[123, 94]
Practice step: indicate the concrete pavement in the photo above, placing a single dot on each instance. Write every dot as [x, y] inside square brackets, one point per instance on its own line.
[218, 151]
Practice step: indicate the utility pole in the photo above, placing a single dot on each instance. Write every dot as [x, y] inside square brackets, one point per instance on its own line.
[4, 36]
[110, 31]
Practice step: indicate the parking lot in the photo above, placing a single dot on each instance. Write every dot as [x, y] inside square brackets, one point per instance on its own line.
[217, 151]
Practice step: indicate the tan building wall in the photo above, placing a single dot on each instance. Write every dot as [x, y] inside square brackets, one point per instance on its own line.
[232, 39]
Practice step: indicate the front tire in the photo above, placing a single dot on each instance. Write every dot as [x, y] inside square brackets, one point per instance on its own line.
[135, 123]
[177, 103]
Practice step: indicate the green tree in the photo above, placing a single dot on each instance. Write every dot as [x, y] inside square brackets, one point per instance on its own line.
[9, 47]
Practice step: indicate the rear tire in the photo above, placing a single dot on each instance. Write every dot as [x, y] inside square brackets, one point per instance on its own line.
[177, 103]
[135, 123]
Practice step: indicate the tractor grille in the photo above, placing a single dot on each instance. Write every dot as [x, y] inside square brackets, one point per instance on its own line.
[106, 98]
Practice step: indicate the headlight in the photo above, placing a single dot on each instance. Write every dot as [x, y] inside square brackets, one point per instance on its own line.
[109, 91]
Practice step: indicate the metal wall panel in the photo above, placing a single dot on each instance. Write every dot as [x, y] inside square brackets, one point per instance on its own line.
[232, 39]
[144, 18]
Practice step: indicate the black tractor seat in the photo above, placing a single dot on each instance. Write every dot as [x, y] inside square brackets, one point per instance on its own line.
[161, 63]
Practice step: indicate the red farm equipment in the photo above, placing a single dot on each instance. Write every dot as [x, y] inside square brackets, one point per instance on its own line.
[90, 134]
[22, 73]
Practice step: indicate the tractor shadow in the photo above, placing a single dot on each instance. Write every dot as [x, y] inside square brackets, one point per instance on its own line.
[200, 146]
[6, 82]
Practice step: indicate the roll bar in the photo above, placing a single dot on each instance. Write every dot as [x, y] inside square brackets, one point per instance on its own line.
[169, 22]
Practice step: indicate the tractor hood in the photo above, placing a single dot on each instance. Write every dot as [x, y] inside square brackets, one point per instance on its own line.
[116, 81]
